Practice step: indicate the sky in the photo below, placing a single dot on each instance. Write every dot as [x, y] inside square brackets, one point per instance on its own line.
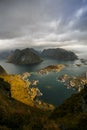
[43, 24]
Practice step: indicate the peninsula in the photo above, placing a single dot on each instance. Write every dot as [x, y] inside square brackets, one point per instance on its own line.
[21, 90]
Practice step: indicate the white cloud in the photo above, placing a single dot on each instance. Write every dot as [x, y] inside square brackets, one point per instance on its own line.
[76, 17]
[80, 12]
[54, 24]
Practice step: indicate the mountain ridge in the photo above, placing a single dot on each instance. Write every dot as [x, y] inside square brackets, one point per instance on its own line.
[59, 54]
[25, 56]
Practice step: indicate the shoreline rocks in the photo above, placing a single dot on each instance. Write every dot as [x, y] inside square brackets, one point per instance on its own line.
[73, 82]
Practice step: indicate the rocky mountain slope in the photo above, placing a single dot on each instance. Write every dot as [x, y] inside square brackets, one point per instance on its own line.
[20, 90]
[25, 56]
[72, 114]
[59, 54]
[2, 70]
[14, 115]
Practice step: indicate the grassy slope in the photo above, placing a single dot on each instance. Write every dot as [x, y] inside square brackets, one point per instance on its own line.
[16, 115]
[20, 89]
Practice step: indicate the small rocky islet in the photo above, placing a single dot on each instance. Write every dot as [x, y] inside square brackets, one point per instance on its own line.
[75, 82]
[51, 68]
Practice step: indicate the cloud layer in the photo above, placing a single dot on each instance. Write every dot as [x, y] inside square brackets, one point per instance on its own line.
[43, 23]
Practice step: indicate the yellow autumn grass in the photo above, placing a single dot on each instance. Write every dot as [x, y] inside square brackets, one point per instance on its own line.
[19, 88]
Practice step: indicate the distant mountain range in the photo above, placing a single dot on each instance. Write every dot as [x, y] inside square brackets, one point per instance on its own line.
[31, 56]
[5, 53]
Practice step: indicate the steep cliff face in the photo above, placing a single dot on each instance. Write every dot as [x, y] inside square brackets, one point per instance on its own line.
[26, 56]
[72, 114]
[2, 70]
[59, 54]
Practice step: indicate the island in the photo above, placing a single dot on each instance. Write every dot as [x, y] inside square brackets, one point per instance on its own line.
[75, 82]
[25, 56]
[51, 68]
[59, 54]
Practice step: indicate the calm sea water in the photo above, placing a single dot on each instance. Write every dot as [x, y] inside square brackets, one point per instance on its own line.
[53, 91]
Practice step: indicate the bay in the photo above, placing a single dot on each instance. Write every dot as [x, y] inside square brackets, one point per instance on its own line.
[54, 92]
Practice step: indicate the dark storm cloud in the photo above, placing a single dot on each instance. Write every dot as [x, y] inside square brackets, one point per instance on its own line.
[43, 23]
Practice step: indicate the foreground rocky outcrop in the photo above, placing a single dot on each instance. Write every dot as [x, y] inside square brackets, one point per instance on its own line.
[15, 115]
[59, 54]
[25, 56]
[21, 91]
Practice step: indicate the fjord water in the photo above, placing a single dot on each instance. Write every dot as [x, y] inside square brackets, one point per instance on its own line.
[54, 92]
